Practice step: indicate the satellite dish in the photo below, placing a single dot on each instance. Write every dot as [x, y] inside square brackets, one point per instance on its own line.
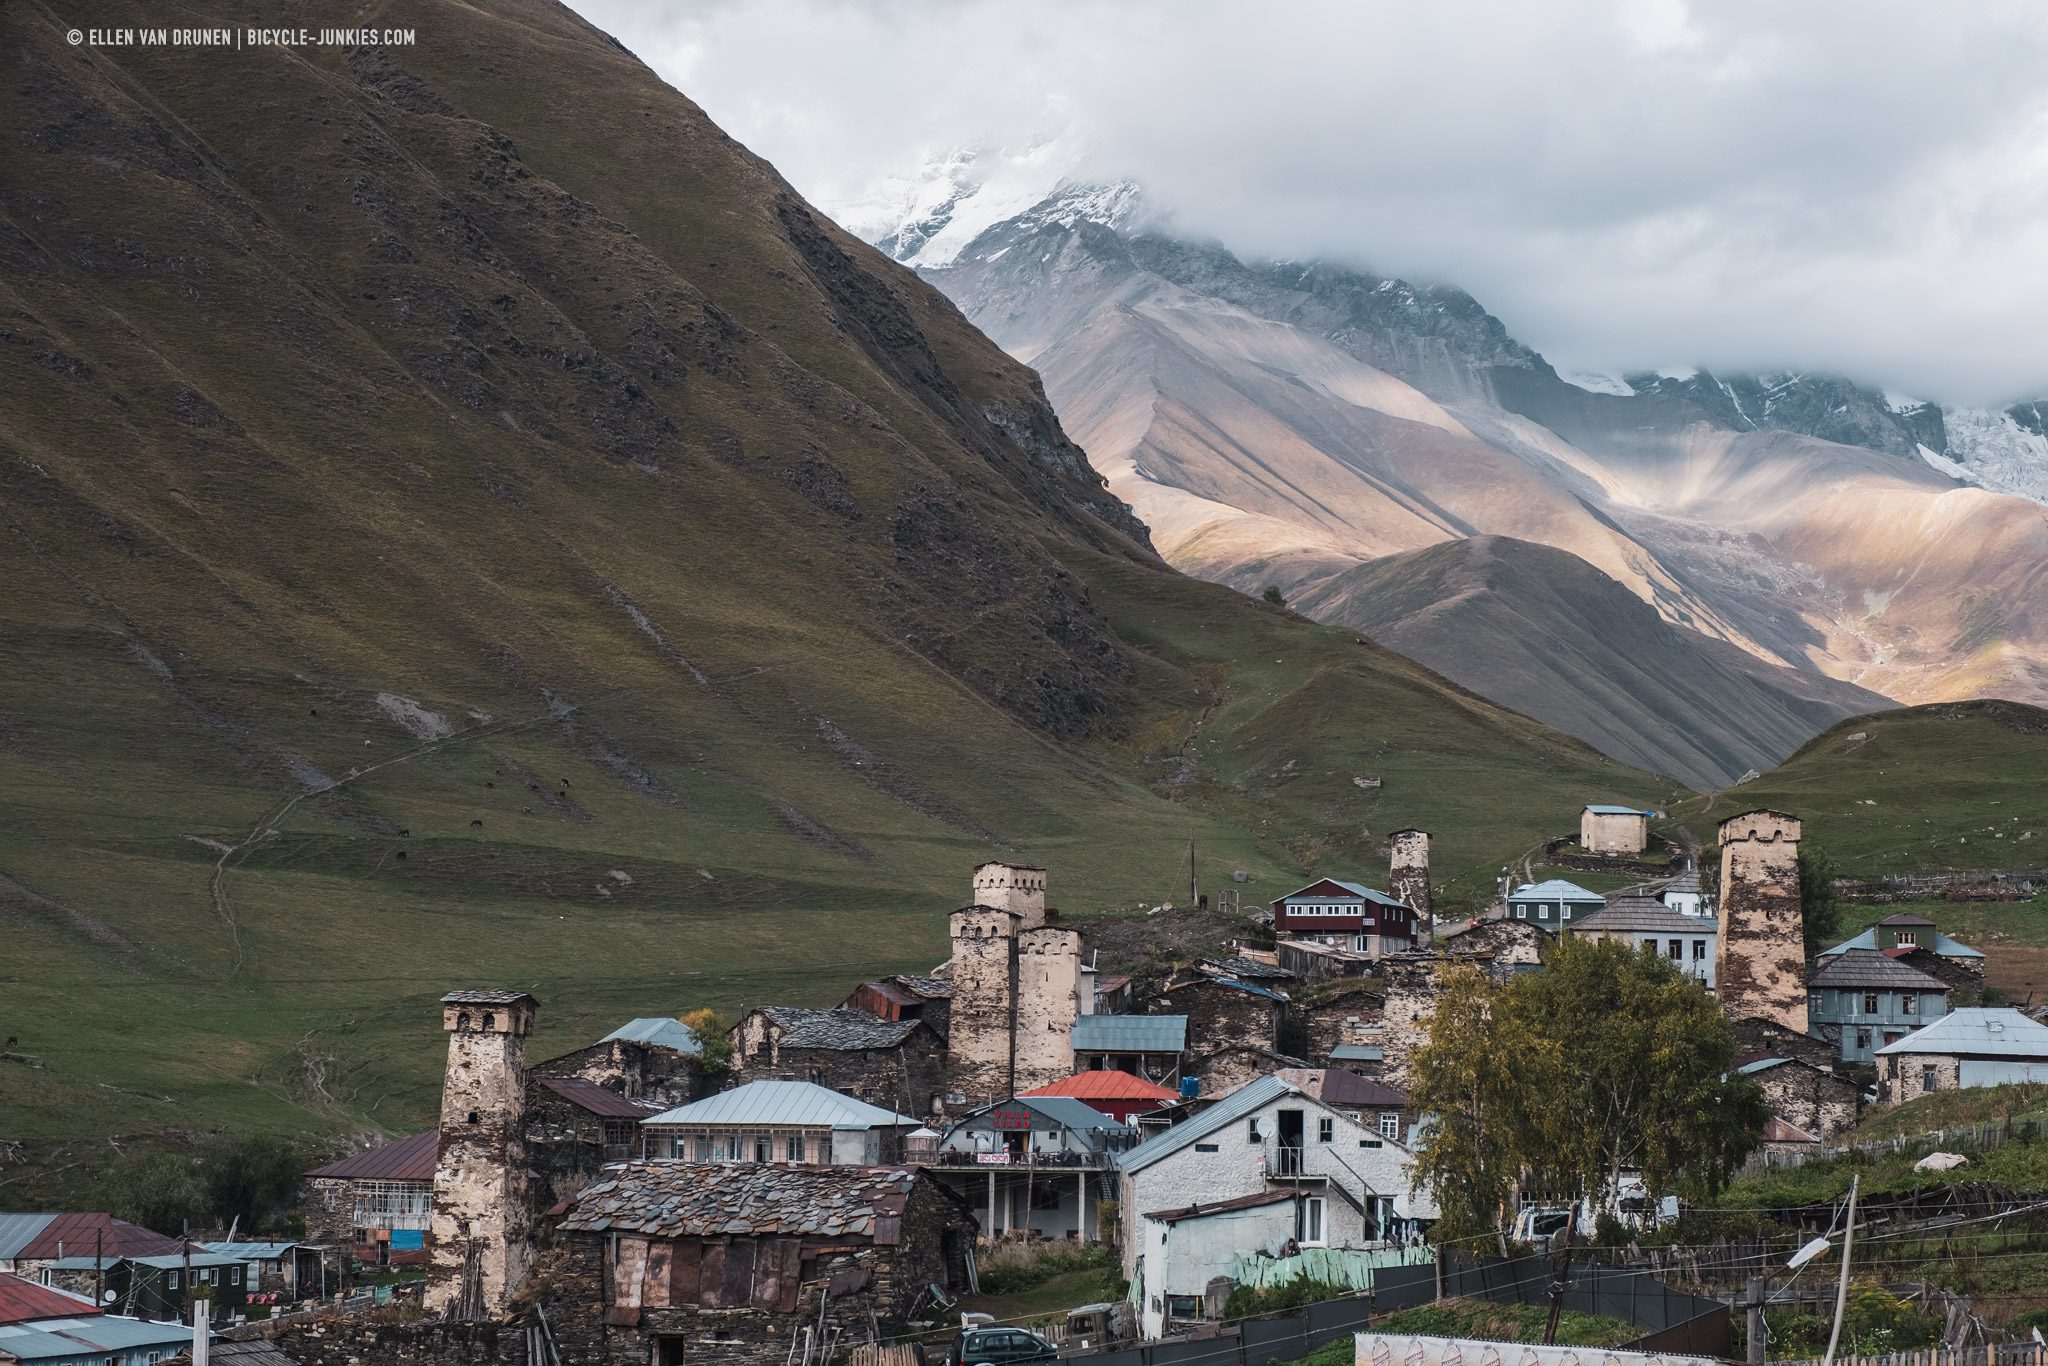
[109, 1297]
[1807, 1253]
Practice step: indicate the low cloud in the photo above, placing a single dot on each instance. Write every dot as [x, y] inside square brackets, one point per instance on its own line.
[1860, 187]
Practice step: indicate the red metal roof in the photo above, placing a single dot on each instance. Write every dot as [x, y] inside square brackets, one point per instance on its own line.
[1341, 1086]
[588, 1095]
[407, 1159]
[1104, 1085]
[83, 1235]
[22, 1301]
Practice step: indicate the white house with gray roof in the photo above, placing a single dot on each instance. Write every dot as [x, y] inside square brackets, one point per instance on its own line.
[779, 1121]
[1686, 941]
[1973, 1046]
[1267, 1144]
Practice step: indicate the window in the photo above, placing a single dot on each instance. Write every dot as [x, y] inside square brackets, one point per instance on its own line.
[1676, 948]
[206, 1275]
[1908, 1003]
[1928, 1080]
[1870, 1003]
[1390, 1124]
[764, 1148]
[1699, 950]
[794, 1149]
[172, 1280]
[1564, 913]
[1308, 1222]
[1650, 945]
[1521, 911]
[234, 1275]
[1252, 1130]
[1906, 939]
[1326, 1129]
[1183, 1306]
[1207, 1148]
[1863, 1038]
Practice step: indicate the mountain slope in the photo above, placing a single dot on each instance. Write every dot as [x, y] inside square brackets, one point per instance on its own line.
[1283, 422]
[469, 521]
[1545, 633]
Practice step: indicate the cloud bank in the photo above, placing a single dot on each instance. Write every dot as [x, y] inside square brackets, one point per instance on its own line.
[1629, 184]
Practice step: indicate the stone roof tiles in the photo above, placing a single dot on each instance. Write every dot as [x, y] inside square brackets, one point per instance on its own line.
[842, 1028]
[696, 1200]
[1867, 968]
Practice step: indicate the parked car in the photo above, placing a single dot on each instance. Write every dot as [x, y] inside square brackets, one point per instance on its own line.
[999, 1347]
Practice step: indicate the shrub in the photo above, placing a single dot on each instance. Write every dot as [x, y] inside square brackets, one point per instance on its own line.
[1008, 1267]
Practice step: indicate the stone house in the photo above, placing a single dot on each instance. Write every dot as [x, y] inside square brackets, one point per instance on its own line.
[573, 1128]
[1148, 1046]
[654, 1058]
[1222, 1009]
[1914, 940]
[1338, 1014]
[30, 1242]
[1348, 1186]
[1685, 941]
[906, 997]
[1189, 1251]
[1756, 1037]
[1812, 1099]
[899, 1065]
[378, 1204]
[1501, 942]
[1618, 830]
[1220, 1070]
[723, 1265]
[1973, 1046]
[1551, 905]
[1312, 961]
[1860, 1001]
[1782, 1139]
[1346, 914]
[1038, 1165]
[1119, 1095]
[779, 1121]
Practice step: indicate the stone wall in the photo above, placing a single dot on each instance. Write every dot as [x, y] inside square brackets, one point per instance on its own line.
[980, 1032]
[1220, 1014]
[1012, 887]
[354, 1341]
[565, 1146]
[1761, 969]
[637, 1071]
[1902, 1076]
[1411, 988]
[1761, 1036]
[905, 1078]
[1348, 1015]
[1048, 1002]
[1822, 1104]
[1623, 833]
[482, 1236]
[1408, 875]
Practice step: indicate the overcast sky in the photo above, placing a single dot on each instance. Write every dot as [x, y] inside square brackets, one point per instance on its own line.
[1860, 187]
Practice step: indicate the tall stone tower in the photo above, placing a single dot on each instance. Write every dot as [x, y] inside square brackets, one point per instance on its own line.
[1408, 876]
[483, 1242]
[1015, 887]
[1761, 968]
[981, 1041]
[1048, 1002]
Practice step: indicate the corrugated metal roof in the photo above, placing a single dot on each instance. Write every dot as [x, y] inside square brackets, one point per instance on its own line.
[52, 1235]
[791, 1104]
[1130, 1034]
[1358, 1052]
[1340, 1086]
[1943, 946]
[1239, 1103]
[659, 1030]
[406, 1159]
[588, 1095]
[252, 1252]
[21, 1301]
[1859, 968]
[1105, 1084]
[1555, 889]
[1978, 1032]
[1357, 889]
[83, 1335]
[18, 1230]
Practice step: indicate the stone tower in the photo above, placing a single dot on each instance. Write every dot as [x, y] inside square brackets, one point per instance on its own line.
[1408, 876]
[1012, 887]
[1760, 971]
[482, 1241]
[1048, 1002]
[980, 1029]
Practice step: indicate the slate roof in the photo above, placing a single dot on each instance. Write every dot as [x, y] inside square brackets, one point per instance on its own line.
[662, 1031]
[1267, 992]
[1250, 969]
[42, 1236]
[492, 996]
[1687, 881]
[842, 1028]
[1130, 1034]
[405, 1159]
[789, 1104]
[1867, 969]
[1942, 947]
[1555, 889]
[1243, 1101]
[696, 1200]
[1643, 915]
[21, 1301]
[598, 1100]
[1105, 1084]
[930, 987]
[1977, 1032]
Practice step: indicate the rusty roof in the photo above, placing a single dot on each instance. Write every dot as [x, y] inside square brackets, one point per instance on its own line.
[42, 1236]
[1341, 1086]
[598, 1100]
[405, 1159]
[22, 1301]
[753, 1200]
[1200, 1210]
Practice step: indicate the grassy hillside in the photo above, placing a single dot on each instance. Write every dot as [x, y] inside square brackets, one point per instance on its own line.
[1948, 787]
[468, 522]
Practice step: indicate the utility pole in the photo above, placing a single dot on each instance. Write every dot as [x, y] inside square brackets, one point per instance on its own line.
[1756, 1321]
[1194, 889]
[1842, 1287]
[1564, 1268]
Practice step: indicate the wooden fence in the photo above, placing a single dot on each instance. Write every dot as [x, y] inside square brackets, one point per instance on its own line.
[1980, 1138]
[1995, 1354]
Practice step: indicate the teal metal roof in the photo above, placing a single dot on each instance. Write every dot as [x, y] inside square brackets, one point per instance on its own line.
[1943, 947]
[660, 1031]
[1243, 1101]
[1556, 889]
[17, 1231]
[1357, 1052]
[1130, 1034]
[251, 1252]
[1356, 889]
[790, 1104]
[96, 1335]
[1599, 810]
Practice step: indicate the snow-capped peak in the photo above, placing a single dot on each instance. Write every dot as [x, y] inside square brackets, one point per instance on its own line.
[926, 218]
